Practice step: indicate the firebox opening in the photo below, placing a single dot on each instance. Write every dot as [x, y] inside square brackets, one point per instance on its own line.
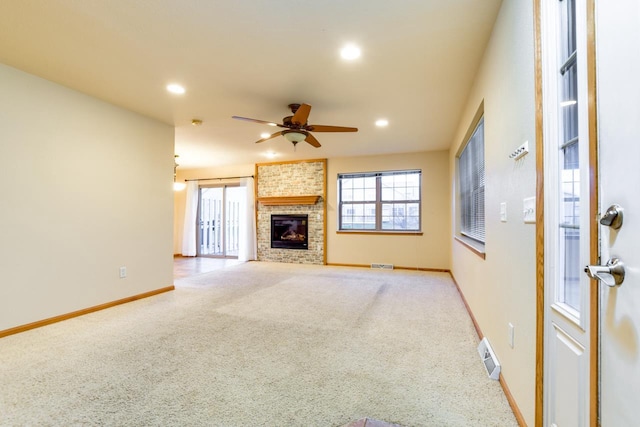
[289, 231]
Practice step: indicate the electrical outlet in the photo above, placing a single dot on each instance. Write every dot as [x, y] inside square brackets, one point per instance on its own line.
[123, 272]
[511, 336]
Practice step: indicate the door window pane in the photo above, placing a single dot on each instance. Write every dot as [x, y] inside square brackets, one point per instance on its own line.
[569, 140]
[570, 277]
[234, 197]
[210, 221]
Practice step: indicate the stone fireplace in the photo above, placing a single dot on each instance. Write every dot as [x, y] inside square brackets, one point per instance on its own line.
[290, 192]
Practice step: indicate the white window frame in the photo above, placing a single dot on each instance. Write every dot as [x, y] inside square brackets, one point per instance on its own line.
[379, 202]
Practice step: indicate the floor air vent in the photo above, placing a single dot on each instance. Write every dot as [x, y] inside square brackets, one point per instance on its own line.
[383, 266]
[489, 359]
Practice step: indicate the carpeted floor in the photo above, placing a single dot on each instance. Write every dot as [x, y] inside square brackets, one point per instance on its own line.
[260, 344]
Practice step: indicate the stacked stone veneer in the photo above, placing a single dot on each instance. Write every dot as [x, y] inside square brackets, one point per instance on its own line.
[286, 180]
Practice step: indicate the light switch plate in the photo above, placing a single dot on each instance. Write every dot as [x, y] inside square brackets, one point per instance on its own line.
[529, 210]
[503, 211]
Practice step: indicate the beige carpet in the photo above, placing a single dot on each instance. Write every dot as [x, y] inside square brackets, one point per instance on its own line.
[260, 344]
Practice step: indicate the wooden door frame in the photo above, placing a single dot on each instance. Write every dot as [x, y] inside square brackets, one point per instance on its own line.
[594, 404]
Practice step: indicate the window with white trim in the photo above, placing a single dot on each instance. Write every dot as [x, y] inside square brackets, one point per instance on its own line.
[379, 201]
[471, 185]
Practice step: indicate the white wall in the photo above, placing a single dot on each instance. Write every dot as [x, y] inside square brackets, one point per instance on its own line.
[502, 288]
[86, 189]
[430, 250]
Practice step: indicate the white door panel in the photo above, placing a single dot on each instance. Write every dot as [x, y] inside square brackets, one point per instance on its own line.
[618, 85]
[568, 360]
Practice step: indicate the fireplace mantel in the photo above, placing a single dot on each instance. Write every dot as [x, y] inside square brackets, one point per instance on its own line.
[288, 200]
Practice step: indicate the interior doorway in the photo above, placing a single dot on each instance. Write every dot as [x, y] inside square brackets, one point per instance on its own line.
[218, 230]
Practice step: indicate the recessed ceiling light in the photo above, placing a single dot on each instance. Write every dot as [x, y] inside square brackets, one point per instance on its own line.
[350, 52]
[265, 135]
[176, 88]
[382, 123]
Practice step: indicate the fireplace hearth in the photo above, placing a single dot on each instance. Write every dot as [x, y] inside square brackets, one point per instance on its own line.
[289, 231]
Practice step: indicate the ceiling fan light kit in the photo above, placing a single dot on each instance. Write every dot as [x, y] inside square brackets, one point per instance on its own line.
[296, 127]
[293, 136]
[177, 186]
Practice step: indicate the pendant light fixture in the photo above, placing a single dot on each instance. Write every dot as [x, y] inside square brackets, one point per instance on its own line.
[177, 186]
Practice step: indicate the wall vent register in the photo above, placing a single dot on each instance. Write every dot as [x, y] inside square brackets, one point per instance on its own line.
[489, 359]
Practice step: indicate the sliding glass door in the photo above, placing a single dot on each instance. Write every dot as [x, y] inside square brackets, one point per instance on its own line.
[219, 221]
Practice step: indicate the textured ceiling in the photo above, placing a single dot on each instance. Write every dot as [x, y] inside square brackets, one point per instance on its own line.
[251, 58]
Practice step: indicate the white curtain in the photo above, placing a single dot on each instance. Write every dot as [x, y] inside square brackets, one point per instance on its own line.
[247, 249]
[190, 218]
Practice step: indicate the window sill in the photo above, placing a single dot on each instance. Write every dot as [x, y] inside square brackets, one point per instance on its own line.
[475, 247]
[382, 233]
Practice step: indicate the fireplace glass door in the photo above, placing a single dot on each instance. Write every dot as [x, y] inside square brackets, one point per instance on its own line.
[289, 231]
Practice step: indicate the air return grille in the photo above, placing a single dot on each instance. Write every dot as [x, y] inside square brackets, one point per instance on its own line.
[382, 266]
[489, 359]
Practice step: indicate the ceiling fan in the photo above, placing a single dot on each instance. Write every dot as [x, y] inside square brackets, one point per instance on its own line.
[296, 127]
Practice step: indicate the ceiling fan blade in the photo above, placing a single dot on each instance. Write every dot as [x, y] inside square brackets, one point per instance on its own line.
[247, 119]
[269, 137]
[312, 140]
[301, 115]
[322, 128]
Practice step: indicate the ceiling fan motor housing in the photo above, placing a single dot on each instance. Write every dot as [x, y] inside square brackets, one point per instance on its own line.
[288, 122]
[294, 107]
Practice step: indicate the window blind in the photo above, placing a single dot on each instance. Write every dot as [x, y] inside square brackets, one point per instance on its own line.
[471, 175]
